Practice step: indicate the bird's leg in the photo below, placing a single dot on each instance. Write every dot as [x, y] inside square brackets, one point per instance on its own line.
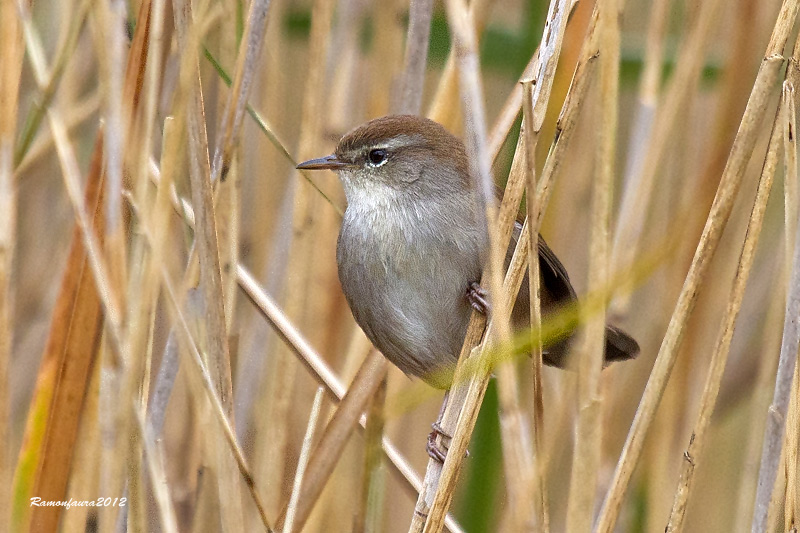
[476, 296]
[438, 450]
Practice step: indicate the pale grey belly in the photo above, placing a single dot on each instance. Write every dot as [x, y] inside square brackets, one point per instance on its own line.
[415, 313]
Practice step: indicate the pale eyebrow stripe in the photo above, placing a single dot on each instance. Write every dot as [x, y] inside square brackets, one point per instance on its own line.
[399, 141]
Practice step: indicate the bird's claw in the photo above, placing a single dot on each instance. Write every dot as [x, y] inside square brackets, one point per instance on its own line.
[476, 295]
[438, 450]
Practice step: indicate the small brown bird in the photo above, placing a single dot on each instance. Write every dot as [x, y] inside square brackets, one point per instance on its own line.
[413, 244]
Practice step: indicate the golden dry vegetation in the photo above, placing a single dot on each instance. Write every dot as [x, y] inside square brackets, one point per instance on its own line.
[172, 330]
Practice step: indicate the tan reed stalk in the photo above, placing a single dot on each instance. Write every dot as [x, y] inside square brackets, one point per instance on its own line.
[10, 72]
[205, 382]
[776, 418]
[108, 21]
[717, 219]
[437, 492]
[369, 516]
[514, 276]
[387, 58]
[337, 432]
[303, 224]
[719, 357]
[445, 107]
[639, 189]
[74, 118]
[792, 500]
[790, 462]
[416, 56]
[247, 62]
[761, 397]
[646, 107]
[535, 103]
[588, 444]
[444, 481]
[305, 452]
[155, 466]
[87, 450]
[212, 326]
[539, 488]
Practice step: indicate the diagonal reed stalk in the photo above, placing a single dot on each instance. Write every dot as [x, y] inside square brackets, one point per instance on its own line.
[719, 357]
[717, 218]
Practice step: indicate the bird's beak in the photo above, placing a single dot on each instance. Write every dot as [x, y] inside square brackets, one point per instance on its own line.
[329, 162]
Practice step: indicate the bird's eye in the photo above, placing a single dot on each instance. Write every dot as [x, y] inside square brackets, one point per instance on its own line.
[377, 157]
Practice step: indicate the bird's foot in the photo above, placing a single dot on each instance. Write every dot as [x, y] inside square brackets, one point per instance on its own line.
[476, 296]
[438, 450]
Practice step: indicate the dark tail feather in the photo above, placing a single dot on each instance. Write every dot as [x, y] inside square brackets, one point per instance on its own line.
[619, 345]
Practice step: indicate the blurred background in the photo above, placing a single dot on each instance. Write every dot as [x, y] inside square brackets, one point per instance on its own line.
[284, 231]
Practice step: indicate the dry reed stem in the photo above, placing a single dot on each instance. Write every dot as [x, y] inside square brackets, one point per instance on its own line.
[549, 51]
[247, 62]
[441, 480]
[647, 103]
[776, 418]
[588, 440]
[437, 492]
[646, 108]
[653, 53]
[108, 20]
[535, 104]
[329, 450]
[762, 394]
[531, 138]
[142, 283]
[370, 511]
[386, 61]
[302, 462]
[121, 92]
[86, 307]
[158, 477]
[642, 172]
[719, 356]
[416, 57]
[208, 385]
[511, 108]
[305, 217]
[64, 52]
[790, 500]
[445, 107]
[212, 328]
[10, 72]
[77, 115]
[717, 219]
[144, 287]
